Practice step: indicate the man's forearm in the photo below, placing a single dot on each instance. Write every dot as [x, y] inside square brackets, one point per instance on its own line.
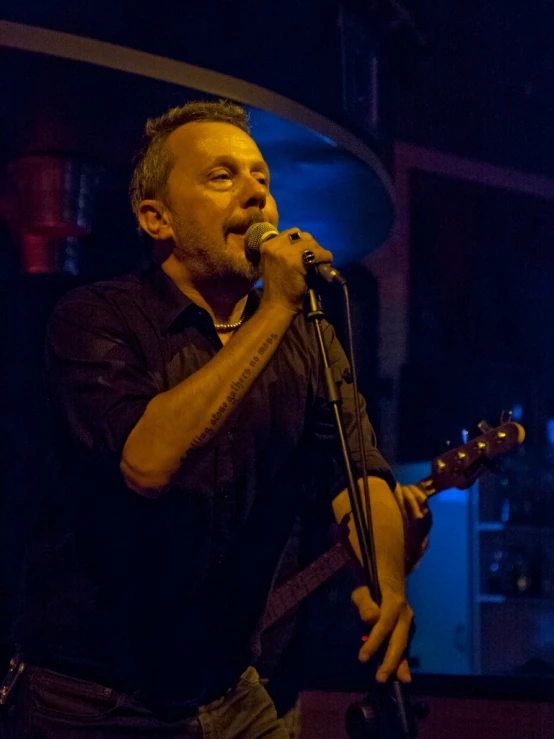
[388, 531]
[185, 418]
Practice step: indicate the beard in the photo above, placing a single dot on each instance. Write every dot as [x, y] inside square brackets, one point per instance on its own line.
[214, 259]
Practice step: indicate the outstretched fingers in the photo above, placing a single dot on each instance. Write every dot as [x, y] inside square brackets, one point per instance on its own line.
[398, 643]
[393, 624]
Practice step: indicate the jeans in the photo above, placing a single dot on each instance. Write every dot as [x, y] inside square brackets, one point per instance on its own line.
[48, 705]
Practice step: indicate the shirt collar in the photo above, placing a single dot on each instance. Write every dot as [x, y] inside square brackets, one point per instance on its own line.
[171, 303]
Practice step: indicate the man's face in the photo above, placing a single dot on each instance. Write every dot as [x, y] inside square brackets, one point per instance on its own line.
[218, 187]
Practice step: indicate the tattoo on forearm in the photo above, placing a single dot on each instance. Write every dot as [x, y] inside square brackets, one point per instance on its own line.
[201, 438]
[234, 393]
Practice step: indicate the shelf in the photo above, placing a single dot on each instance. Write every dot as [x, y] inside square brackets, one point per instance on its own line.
[490, 526]
[489, 598]
[485, 598]
[519, 528]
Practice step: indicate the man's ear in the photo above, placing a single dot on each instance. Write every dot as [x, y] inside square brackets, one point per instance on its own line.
[154, 220]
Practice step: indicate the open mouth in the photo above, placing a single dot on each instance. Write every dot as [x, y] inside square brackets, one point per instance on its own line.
[239, 230]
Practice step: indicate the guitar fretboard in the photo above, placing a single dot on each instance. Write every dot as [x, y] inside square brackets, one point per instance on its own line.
[290, 593]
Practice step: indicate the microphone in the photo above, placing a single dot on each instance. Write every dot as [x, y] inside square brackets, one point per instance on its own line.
[258, 233]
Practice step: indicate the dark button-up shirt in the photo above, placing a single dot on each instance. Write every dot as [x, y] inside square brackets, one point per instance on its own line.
[164, 596]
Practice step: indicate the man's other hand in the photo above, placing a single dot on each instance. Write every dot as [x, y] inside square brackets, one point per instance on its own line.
[393, 620]
[412, 500]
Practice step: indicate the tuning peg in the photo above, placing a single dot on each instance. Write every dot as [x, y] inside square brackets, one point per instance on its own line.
[484, 426]
[506, 416]
[465, 435]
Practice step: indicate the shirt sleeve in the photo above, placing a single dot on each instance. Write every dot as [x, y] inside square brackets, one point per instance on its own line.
[96, 380]
[375, 462]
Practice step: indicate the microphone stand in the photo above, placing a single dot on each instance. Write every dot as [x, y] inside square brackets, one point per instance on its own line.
[386, 712]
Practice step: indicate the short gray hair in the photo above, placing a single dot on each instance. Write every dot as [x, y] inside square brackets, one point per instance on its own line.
[153, 162]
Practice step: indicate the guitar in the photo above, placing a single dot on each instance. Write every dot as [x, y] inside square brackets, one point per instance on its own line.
[456, 468]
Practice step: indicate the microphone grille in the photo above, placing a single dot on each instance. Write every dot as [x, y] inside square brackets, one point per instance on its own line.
[254, 238]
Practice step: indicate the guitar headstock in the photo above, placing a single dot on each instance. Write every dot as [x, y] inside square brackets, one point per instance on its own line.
[460, 467]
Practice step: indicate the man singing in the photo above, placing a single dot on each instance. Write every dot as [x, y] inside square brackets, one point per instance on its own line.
[189, 403]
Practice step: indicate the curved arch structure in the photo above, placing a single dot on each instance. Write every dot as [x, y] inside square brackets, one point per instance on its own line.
[314, 159]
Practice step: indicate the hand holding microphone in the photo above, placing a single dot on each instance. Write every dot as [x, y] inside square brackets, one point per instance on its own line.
[288, 257]
[259, 233]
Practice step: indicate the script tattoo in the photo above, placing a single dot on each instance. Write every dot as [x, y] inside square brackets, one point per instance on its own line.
[235, 389]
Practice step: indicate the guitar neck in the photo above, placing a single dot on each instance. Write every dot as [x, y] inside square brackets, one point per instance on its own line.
[290, 593]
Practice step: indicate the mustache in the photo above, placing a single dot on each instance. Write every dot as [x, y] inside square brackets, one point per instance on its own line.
[242, 224]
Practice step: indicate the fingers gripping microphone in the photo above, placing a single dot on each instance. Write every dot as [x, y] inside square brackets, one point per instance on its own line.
[260, 232]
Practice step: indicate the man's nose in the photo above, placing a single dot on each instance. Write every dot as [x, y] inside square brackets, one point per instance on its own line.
[254, 194]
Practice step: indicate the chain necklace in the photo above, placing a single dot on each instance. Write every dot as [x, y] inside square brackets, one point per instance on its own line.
[225, 327]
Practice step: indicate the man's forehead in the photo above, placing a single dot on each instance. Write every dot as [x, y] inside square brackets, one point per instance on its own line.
[212, 139]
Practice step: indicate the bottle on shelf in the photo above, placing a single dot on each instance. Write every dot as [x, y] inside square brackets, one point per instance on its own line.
[524, 572]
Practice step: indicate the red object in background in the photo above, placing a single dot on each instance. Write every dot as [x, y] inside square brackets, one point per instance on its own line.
[55, 194]
[55, 201]
[39, 255]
